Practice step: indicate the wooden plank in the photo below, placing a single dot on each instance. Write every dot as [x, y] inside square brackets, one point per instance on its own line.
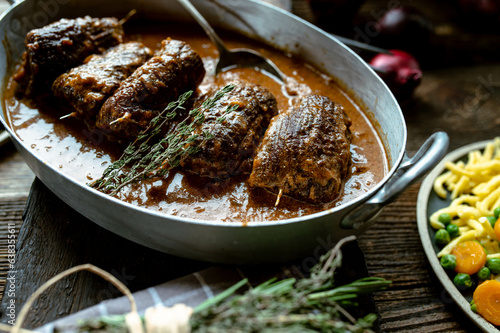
[10, 218]
[48, 244]
[15, 176]
[416, 302]
[53, 240]
[461, 101]
[412, 304]
[15, 182]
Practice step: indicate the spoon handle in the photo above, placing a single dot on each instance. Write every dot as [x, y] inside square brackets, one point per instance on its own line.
[187, 5]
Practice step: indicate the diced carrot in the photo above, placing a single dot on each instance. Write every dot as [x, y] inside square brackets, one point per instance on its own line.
[487, 300]
[497, 229]
[471, 257]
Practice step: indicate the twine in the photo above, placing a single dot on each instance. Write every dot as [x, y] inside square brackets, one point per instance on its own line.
[159, 319]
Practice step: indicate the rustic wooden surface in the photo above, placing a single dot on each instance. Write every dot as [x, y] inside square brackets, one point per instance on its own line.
[453, 98]
[70, 234]
[51, 241]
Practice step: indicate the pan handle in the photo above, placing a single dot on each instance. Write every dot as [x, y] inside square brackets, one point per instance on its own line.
[410, 170]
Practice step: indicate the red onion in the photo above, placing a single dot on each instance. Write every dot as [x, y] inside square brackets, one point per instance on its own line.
[400, 71]
[405, 28]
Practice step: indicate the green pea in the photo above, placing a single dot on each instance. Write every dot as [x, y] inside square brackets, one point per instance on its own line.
[496, 212]
[453, 230]
[462, 280]
[473, 306]
[492, 220]
[444, 218]
[484, 273]
[494, 265]
[442, 237]
[448, 261]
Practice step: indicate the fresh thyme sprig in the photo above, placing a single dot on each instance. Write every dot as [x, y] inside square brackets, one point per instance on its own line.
[312, 304]
[148, 157]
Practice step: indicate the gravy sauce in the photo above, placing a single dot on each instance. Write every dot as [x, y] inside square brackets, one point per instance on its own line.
[83, 153]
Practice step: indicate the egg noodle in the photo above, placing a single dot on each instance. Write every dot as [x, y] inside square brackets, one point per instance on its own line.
[475, 193]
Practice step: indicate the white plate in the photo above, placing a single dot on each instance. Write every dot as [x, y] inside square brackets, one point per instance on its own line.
[428, 202]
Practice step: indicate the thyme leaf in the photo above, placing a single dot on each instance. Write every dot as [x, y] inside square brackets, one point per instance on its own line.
[147, 156]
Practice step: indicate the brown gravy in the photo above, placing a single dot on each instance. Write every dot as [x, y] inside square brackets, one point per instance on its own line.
[83, 154]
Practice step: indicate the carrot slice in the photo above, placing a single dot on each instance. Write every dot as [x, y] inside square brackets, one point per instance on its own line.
[471, 257]
[497, 229]
[487, 300]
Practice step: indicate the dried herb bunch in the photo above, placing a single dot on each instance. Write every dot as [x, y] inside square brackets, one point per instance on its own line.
[149, 156]
[312, 304]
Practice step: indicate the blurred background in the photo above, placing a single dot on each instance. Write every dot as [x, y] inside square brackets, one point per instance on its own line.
[445, 70]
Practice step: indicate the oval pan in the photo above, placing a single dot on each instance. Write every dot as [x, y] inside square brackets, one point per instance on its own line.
[215, 241]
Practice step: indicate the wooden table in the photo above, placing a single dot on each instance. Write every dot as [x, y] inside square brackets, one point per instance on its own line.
[452, 98]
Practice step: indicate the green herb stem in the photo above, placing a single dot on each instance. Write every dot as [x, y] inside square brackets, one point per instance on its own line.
[359, 287]
[143, 159]
[220, 297]
[311, 304]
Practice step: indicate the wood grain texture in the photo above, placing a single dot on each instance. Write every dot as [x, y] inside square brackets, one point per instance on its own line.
[11, 210]
[416, 301]
[15, 176]
[461, 101]
[15, 182]
[52, 240]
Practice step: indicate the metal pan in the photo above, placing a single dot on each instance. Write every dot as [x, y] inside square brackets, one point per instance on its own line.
[216, 241]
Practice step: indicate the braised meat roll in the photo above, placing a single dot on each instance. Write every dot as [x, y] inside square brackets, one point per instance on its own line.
[236, 139]
[62, 45]
[305, 152]
[85, 88]
[175, 69]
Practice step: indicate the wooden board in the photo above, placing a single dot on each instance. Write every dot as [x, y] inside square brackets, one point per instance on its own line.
[52, 240]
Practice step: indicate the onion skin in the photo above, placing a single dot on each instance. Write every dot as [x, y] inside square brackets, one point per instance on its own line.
[400, 71]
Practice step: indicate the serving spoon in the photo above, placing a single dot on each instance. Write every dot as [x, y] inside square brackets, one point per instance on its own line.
[229, 59]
